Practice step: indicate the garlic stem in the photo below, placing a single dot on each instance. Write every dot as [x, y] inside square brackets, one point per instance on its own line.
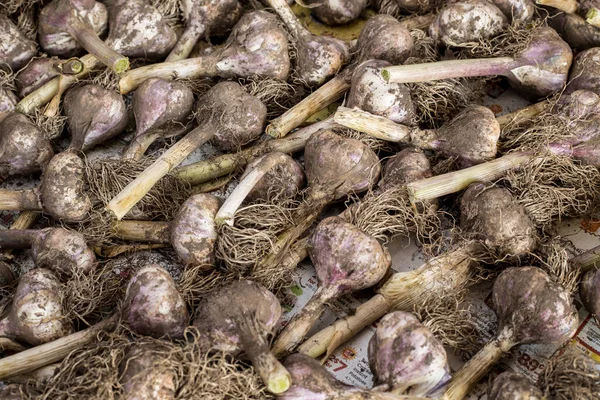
[44, 94]
[138, 146]
[316, 101]
[182, 69]
[90, 41]
[478, 366]
[216, 167]
[140, 186]
[19, 200]
[418, 21]
[343, 329]
[441, 185]
[143, 231]
[17, 238]
[593, 17]
[523, 114]
[25, 220]
[297, 328]
[288, 17]
[447, 69]
[184, 46]
[373, 125]
[37, 357]
[276, 378]
[568, 6]
[402, 291]
[588, 260]
[234, 200]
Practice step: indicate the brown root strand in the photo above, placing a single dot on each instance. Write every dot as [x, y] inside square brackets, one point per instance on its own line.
[571, 375]
[279, 96]
[91, 297]
[170, 9]
[554, 259]
[106, 78]
[93, 372]
[552, 187]
[450, 322]
[254, 233]
[538, 132]
[390, 214]
[107, 178]
[437, 101]
[52, 127]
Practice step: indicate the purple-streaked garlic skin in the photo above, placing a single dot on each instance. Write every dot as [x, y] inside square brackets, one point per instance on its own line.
[62, 188]
[329, 158]
[94, 115]
[142, 375]
[513, 386]
[214, 18]
[467, 21]
[153, 306]
[519, 11]
[207, 18]
[543, 67]
[24, 149]
[63, 252]
[589, 291]
[16, 50]
[193, 230]
[345, 258]
[406, 166]
[319, 58]
[585, 73]
[413, 6]
[6, 274]
[336, 12]
[35, 74]
[587, 152]
[8, 101]
[310, 380]
[371, 93]
[495, 218]
[575, 30]
[139, 30]
[384, 38]
[162, 107]
[218, 315]
[36, 315]
[285, 181]
[237, 117]
[472, 136]
[404, 355]
[532, 307]
[56, 17]
[257, 46]
[581, 108]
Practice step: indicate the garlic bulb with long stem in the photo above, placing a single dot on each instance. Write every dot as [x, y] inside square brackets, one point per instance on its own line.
[345, 260]
[540, 70]
[531, 308]
[238, 318]
[257, 46]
